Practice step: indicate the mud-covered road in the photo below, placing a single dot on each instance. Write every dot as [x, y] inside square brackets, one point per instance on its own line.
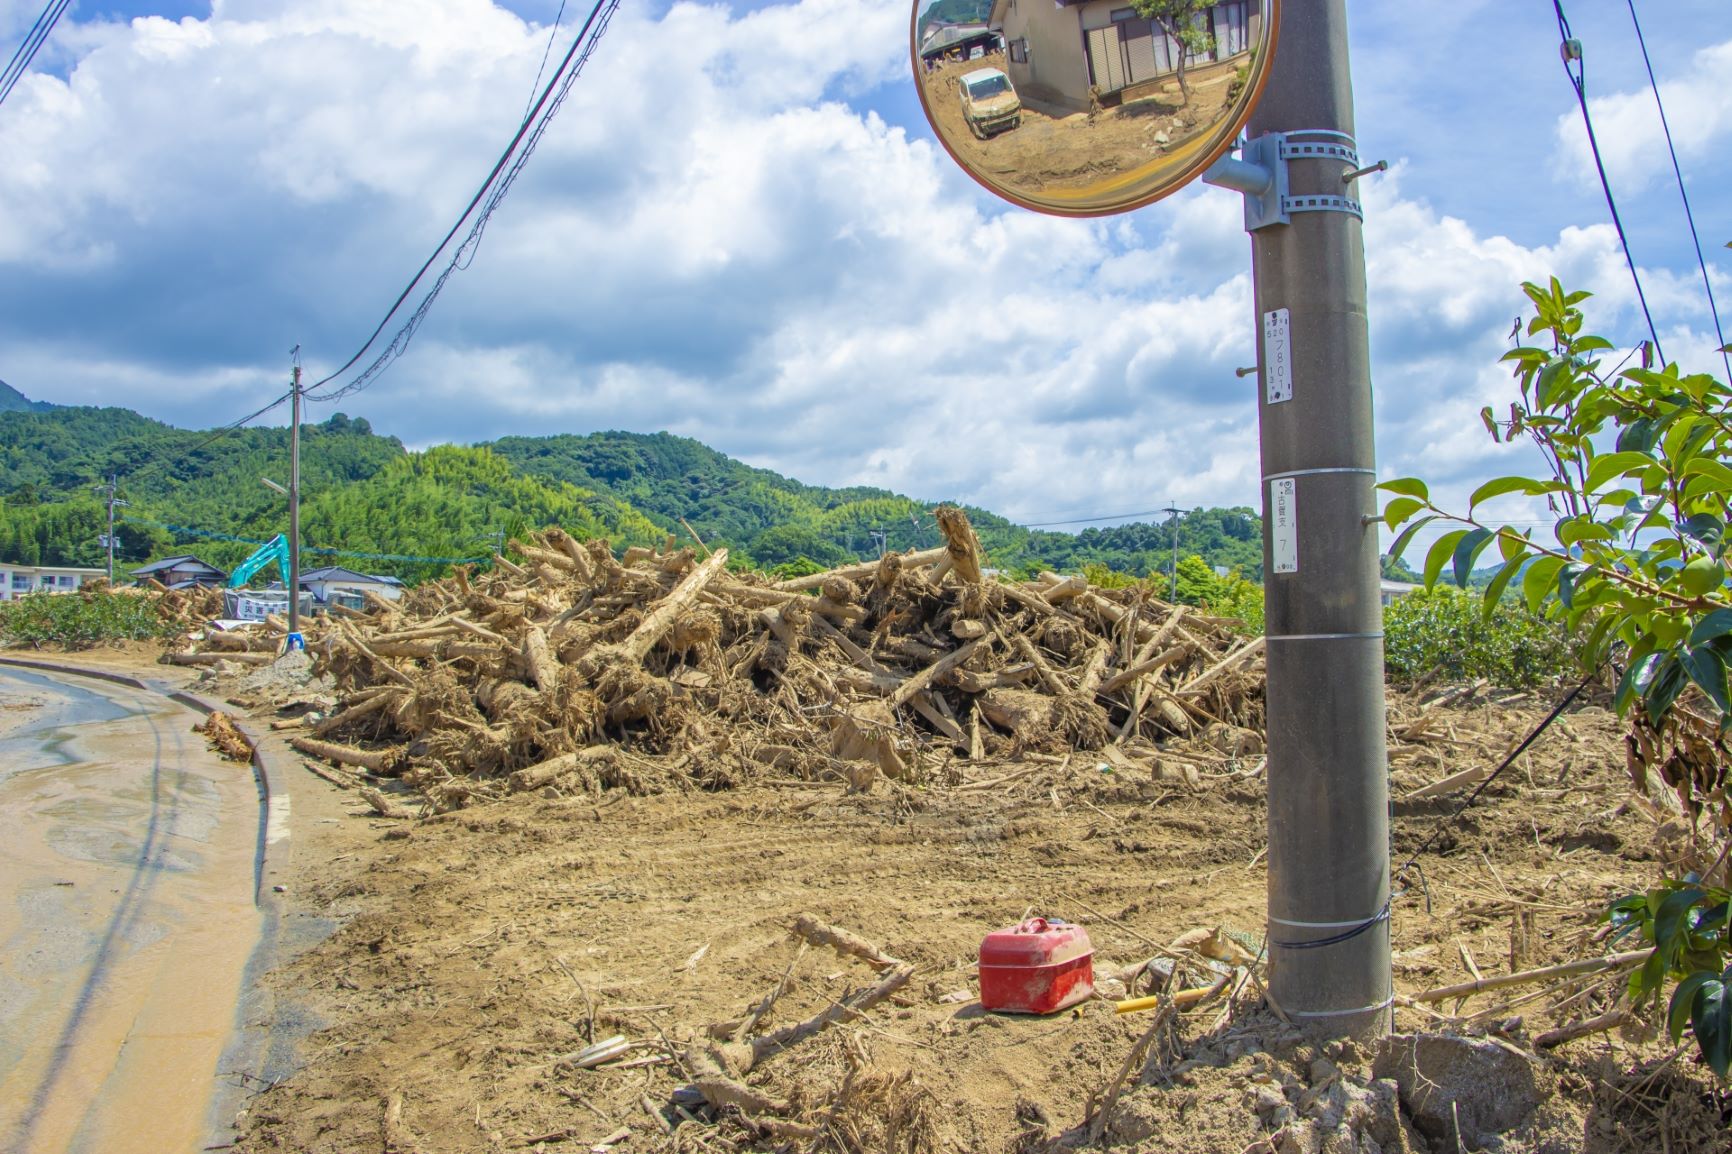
[127, 877]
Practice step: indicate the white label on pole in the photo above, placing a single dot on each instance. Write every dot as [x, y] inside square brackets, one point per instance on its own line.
[1284, 524]
[1278, 356]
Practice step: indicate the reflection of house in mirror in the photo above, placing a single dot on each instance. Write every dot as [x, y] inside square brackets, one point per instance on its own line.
[941, 41]
[1058, 49]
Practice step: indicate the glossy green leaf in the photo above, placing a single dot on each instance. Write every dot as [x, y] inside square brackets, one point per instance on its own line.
[1613, 465]
[1716, 624]
[1539, 580]
[1498, 486]
[1407, 487]
[1467, 551]
[1706, 667]
[1441, 551]
[1714, 470]
[1668, 682]
[1683, 1001]
[1494, 591]
[1511, 545]
[1711, 1019]
[1400, 509]
[1399, 545]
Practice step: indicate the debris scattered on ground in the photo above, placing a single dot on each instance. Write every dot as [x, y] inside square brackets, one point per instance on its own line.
[219, 729]
[574, 672]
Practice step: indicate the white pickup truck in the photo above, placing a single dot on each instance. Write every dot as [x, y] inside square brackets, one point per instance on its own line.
[989, 103]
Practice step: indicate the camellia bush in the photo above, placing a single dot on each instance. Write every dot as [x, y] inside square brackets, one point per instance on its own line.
[1442, 632]
[1639, 476]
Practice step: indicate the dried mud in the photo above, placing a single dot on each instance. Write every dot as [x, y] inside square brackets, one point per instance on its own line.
[479, 948]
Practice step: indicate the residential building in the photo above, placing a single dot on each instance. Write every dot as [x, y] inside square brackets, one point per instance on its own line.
[181, 573]
[17, 580]
[345, 586]
[1057, 50]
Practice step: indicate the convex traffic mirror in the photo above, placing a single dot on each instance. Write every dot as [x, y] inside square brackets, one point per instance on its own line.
[1086, 107]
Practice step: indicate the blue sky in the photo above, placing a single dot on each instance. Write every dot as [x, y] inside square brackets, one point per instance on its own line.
[740, 230]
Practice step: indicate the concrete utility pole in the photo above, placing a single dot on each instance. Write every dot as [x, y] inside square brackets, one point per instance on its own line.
[295, 504]
[108, 541]
[1173, 512]
[1328, 781]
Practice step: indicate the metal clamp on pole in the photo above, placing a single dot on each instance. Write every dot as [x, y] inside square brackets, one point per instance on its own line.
[1259, 173]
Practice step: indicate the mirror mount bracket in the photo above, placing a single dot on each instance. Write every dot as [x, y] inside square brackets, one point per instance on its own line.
[1259, 174]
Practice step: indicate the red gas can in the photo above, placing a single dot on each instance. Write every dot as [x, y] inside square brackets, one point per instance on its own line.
[1037, 967]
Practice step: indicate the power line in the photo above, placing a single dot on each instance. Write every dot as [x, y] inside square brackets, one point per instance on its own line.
[1678, 174]
[545, 53]
[1090, 520]
[492, 192]
[33, 42]
[209, 535]
[1571, 51]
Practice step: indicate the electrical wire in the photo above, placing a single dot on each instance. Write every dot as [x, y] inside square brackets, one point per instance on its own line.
[552, 34]
[488, 197]
[1091, 520]
[1578, 82]
[33, 42]
[323, 550]
[1678, 174]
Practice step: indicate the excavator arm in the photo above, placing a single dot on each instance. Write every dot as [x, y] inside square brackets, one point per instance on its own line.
[276, 549]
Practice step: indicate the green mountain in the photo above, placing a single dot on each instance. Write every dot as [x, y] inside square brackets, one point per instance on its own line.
[388, 510]
[13, 401]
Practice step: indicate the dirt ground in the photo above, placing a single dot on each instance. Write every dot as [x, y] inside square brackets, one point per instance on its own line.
[479, 950]
[1064, 154]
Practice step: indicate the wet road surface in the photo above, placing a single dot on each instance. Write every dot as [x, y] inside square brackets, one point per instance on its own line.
[127, 871]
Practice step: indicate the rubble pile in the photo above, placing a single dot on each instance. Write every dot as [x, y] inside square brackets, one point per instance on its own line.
[577, 670]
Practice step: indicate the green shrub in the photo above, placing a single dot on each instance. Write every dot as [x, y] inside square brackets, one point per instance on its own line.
[1443, 632]
[80, 620]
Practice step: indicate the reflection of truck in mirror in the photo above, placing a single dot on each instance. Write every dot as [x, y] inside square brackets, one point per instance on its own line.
[989, 102]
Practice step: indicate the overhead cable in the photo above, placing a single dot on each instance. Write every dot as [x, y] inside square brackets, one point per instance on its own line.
[488, 197]
[33, 42]
[1678, 174]
[1575, 69]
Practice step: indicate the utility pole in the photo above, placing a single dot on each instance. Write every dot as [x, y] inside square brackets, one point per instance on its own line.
[113, 503]
[294, 639]
[1328, 782]
[1173, 523]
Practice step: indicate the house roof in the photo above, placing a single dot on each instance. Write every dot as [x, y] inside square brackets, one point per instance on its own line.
[338, 573]
[174, 563]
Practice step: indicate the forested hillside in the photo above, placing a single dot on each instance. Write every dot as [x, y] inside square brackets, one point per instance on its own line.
[388, 510]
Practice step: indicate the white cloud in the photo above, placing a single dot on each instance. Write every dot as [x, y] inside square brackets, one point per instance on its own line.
[717, 237]
[1627, 124]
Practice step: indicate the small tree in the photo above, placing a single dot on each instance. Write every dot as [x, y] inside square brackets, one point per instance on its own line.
[1184, 21]
[1639, 475]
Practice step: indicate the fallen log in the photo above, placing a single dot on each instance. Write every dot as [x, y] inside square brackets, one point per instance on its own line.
[1563, 970]
[383, 762]
[543, 772]
[856, 572]
[643, 639]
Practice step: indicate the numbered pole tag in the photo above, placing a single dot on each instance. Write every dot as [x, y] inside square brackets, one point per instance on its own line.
[1284, 524]
[1278, 356]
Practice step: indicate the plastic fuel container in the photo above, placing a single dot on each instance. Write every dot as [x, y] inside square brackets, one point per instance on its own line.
[1037, 967]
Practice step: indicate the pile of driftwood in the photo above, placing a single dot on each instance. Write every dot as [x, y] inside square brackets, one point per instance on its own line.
[573, 669]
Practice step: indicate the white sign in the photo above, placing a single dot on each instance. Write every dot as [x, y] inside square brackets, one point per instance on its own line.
[1278, 356]
[1284, 524]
